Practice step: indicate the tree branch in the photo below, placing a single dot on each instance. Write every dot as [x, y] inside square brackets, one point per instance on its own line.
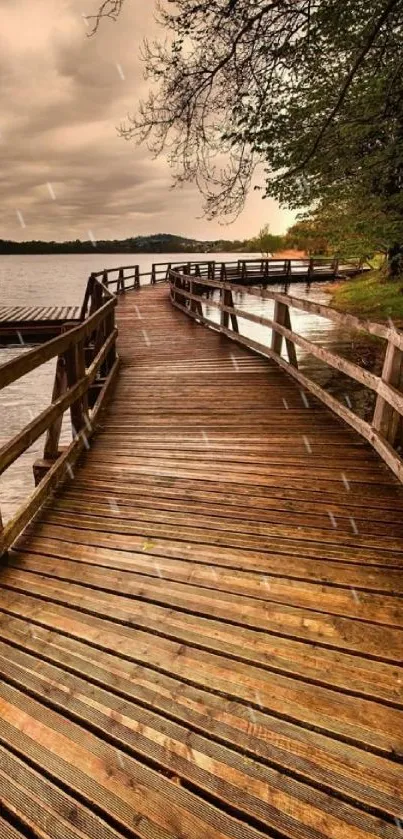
[347, 83]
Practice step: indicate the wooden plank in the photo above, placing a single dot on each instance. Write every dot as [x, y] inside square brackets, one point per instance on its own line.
[187, 639]
[285, 655]
[205, 764]
[111, 780]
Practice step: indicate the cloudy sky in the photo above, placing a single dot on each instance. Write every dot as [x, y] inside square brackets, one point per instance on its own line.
[65, 173]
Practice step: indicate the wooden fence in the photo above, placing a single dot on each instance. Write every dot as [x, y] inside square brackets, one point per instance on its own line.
[86, 366]
[128, 277]
[384, 432]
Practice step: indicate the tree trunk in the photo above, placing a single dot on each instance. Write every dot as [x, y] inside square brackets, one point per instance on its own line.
[395, 261]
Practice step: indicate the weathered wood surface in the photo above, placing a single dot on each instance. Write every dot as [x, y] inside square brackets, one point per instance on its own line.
[28, 313]
[201, 635]
[34, 323]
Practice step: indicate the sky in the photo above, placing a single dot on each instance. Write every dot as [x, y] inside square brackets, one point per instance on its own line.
[65, 173]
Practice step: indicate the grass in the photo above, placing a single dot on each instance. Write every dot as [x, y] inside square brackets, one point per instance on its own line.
[372, 296]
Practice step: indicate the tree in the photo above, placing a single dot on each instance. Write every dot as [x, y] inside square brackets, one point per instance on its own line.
[313, 88]
[265, 242]
[308, 234]
[347, 227]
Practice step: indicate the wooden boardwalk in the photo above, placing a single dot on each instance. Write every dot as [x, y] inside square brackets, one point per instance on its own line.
[34, 323]
[201, 635]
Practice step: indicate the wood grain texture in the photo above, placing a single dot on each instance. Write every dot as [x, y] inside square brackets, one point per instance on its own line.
[201, 634]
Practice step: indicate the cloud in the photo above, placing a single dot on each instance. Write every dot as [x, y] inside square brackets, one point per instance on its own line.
[62, 97]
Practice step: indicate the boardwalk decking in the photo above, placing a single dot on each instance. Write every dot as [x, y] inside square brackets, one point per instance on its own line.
[34, 323]
[201, 635]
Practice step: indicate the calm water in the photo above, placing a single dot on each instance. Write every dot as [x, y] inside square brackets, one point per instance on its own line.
[61, 280]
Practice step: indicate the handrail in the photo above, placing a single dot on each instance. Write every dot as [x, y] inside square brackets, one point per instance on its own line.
[239, 268]
[87, 364]
[187, 294]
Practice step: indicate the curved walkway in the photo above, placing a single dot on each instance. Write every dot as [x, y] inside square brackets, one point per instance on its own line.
[200, 635]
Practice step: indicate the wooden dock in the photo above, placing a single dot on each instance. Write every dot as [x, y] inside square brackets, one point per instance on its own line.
[34, 324]
[201, 633]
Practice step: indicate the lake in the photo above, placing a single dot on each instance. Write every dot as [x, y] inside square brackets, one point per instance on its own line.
[61, 280]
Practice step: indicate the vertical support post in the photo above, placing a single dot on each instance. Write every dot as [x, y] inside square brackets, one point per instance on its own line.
[234, 319]
[168, 270]
[387, 421]
[282, 317]
[111, 357]
[53, 435]
[227, 300]
[76, 409]
[121, 282]
[288, 268]
[279, 317]
[96, 297]
[335, 267]
[87, 297]
[1, 536]
[137, 276]
[223, 302]
[153, 274]
[310, 269]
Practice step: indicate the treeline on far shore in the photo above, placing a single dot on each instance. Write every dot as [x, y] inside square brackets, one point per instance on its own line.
[158, 243]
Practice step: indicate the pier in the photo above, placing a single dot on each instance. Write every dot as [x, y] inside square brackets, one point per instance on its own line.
[200, 603]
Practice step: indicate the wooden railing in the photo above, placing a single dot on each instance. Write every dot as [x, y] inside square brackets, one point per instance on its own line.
[188, 293]
[130, 277]
[86, 365]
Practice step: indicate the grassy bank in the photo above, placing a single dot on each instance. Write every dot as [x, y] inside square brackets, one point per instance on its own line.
[371, 296]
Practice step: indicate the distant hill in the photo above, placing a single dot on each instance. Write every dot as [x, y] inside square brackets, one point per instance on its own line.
[155, 243]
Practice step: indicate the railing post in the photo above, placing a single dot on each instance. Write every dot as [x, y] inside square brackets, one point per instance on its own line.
[137, 276]
[153, 274]
[227, 300]
[96, 296]
[310, 268]
[282, 317]
[51, 449]
[335, 267]
[87, 297]
[1, 536]
[121, 281]
[224, 320]
[72, 373]
[386, 420]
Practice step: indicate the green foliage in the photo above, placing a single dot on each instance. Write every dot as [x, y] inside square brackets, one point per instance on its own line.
[308, 235]
[266, 243]
[351, 227]
[311, 88]
[371, 296]
[155, 243]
